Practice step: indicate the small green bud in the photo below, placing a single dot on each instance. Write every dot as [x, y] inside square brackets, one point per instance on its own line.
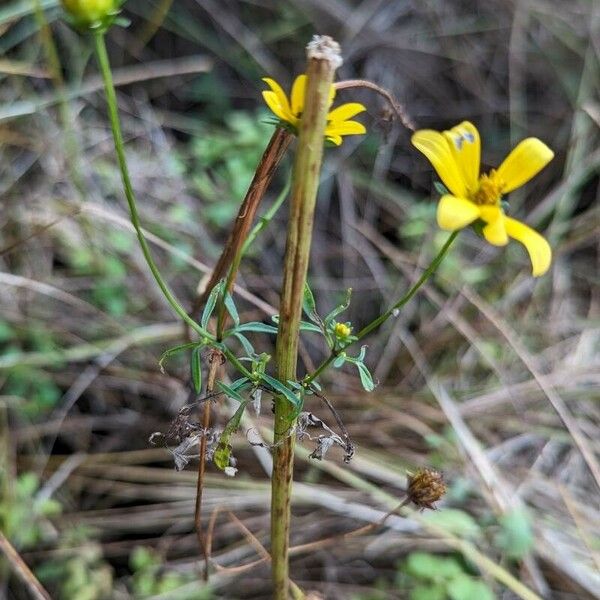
[92, 13]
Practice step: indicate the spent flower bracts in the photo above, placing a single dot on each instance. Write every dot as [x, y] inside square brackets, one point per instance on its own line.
[289, 111]
[456, 157]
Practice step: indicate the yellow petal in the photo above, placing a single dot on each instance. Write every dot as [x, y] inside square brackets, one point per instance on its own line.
[345, 111]
[455, 213]
[298, 93]
[280, 111]
[335, 139]
[538, 248]
[436, 148]
[527, 159]
[278, 90]
[495, 230]
[465, 145]
[331, 95]
[345, 128]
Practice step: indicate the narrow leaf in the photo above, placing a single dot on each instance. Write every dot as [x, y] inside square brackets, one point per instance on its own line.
[196, 369]
[309, 305]
[257, 327]
[248, 348]
[282, 389]
[365, 377]
[175, 350]
[210, 304]
[231, 309]
[340, 308]
[229, 391]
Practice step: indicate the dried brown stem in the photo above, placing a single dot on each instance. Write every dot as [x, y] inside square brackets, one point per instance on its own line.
[215, 363]
[262, 178]
[22, 571]
[397, 107]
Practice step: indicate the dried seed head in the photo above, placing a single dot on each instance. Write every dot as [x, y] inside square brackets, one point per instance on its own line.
[425, 487]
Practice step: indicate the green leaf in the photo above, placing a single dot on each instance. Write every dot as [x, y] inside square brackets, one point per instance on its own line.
[309, 305]
[339, 361]
[257, 327]
[340, 308]
[231, 309]
[304, 326]
[282, 389]
[366, 378]
[248, 347]
[196, 369]
[516, 535]
[463, 587]
[431, 567]
[172, 351]
[223, 450]
[229, 391]
[428, 592]
[210, 304]
[455, 521]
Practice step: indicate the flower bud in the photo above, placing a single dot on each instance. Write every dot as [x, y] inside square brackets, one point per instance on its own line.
[91, 13]
[342, 330]
[425, 487]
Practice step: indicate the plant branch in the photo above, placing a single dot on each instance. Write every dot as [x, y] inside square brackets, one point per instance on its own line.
[111, 100]
[435, 263]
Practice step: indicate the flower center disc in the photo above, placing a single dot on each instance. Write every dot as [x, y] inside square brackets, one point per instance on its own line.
[489, 191]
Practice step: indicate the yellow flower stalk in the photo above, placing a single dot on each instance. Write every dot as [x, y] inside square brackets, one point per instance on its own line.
[289, 112]
[456, 157]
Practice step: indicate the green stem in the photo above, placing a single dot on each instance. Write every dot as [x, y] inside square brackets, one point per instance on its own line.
[435, 263]
[323, 59]
[111, 100]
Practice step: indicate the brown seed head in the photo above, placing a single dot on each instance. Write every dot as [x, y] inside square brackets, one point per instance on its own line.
[425, 487]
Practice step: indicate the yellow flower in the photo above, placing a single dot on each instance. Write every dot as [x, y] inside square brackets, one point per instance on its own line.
[290, 111]
[342, 330]
[456, 155]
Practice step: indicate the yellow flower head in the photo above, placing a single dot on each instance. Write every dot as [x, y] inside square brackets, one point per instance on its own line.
[342, 330]
[89, 12]
[290, 111]
[456, 156]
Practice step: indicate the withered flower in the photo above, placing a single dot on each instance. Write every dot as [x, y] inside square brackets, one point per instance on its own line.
[425, 487]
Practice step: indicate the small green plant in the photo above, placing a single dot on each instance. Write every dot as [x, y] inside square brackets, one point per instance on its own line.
[435, 577]
[150, 578]
[24, 511]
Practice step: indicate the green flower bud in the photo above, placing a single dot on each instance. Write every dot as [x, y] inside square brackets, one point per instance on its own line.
[92, 13]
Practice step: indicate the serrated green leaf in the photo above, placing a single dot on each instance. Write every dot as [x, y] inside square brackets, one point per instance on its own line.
[231, 308]
[196, 369]
[210, 304]
[305, 326]
[282, 389]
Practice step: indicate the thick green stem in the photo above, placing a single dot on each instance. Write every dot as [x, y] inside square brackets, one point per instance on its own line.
[435, 263]
[323, 59]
